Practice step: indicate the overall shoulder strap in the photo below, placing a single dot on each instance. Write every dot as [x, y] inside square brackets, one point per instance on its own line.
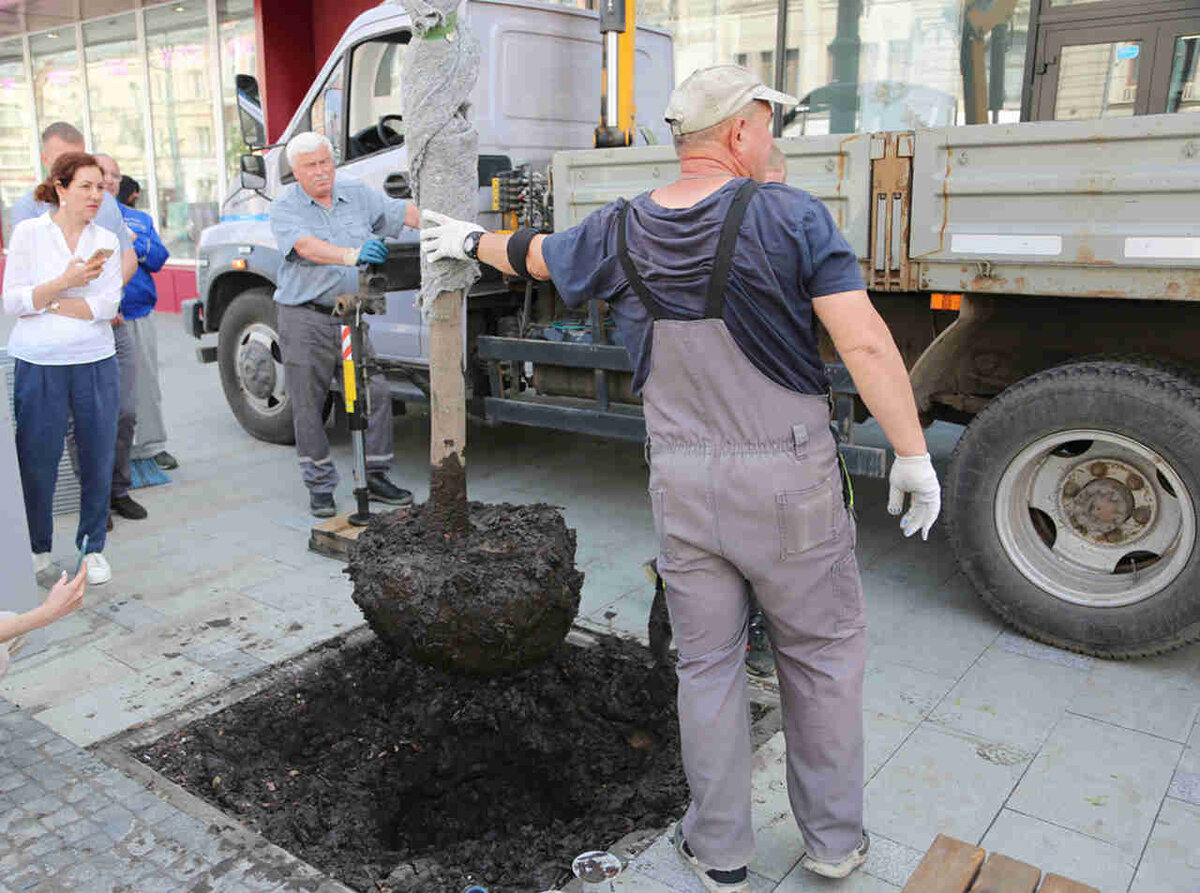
[715, 304]
[655, 309]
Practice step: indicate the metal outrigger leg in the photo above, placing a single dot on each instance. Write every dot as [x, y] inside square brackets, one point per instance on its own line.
[356, 389]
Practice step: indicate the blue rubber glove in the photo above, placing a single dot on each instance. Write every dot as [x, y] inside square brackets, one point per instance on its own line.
[372, 252]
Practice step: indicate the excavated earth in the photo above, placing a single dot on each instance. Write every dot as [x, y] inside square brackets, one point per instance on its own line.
[499, 597]
[392, 775]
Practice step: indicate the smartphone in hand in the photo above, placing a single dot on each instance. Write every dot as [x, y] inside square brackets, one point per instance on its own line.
[101, 254]
[82, 554]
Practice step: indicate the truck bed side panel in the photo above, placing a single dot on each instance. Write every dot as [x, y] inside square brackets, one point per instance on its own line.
[1101, 208]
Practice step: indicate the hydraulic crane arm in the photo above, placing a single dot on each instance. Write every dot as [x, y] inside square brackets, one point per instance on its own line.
[618, 115]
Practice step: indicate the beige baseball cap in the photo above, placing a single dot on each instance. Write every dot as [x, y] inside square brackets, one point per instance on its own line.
[710, 95]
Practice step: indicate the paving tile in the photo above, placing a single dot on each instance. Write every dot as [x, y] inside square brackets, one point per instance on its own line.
[1059, 850]
[1010, 699]
[102, 712]
[1099, 780]
[778, 842]
[933, 628]
[57, 681]
[639, 882]
[1171, 863]
[901, 691]
[1185, 785]
[882, 737]
[131, 613]
[941, 782]
[801, 881]
[891, 861]
[1015, 643]
[1155, 695]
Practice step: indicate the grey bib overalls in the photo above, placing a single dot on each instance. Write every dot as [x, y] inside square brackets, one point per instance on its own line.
[744, 483]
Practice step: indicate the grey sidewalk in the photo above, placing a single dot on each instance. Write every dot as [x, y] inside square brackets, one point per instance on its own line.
[1085, 767]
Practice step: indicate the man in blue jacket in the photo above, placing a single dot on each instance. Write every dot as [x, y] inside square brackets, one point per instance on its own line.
[136, 306]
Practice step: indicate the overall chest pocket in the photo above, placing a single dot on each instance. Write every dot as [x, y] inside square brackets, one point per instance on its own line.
[806, 518]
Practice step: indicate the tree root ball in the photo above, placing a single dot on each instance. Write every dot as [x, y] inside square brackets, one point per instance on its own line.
[501, 597]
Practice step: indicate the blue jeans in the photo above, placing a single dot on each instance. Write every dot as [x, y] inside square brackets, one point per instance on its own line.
[44, 397]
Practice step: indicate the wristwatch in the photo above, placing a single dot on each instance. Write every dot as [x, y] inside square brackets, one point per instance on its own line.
[471, 244]
[53, 306]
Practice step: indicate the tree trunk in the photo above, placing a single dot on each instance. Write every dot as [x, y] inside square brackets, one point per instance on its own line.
[447, 415]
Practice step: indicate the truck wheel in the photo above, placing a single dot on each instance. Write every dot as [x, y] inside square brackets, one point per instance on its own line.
[1072, 507]
[252, 367]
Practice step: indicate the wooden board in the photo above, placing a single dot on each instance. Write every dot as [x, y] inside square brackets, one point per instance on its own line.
[333, 538]
[1001, 874]
[1056, 883]
[949, 867]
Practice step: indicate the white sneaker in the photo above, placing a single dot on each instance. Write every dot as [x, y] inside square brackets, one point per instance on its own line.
[42, 562]
[98, 569]
[838, 869]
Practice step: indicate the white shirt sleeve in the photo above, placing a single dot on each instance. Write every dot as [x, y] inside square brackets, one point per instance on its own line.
[20, 273]
[104, 292]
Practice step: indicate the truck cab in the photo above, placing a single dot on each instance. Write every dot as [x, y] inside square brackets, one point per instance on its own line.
[540, 71]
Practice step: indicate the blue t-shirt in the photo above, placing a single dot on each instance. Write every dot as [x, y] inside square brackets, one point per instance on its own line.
[789, 251]
[140, 293]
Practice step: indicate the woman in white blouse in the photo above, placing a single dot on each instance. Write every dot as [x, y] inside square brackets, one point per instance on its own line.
[62, 278]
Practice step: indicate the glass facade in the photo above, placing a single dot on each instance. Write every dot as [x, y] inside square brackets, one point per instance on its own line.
[153, 87]
[860, 65]
[16, 123]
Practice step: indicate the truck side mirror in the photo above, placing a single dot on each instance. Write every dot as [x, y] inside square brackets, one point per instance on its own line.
[250, 112]
[254, 172]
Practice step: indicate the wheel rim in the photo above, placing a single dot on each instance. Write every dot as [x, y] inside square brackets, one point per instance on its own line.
[1095, 518]
[259, 367]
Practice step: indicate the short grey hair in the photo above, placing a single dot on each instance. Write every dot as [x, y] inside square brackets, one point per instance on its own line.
[689, 142]
[304, 143]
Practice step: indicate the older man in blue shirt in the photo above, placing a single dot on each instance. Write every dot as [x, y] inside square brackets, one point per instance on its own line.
[326, 224]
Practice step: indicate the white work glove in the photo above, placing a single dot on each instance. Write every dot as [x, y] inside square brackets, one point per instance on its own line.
[914, 475]
[443, 236]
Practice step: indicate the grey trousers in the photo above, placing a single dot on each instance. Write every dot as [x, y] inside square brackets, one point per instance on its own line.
[150, 437]
[744, 485]
[127, 417]
[311, 346]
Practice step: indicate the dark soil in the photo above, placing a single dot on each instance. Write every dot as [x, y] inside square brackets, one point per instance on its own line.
[448, 510]
[392, 775]
[501, 597]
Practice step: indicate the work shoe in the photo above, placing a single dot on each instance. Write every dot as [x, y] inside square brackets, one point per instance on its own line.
[760, 658]
[98, 569]
[128, 507]
[838, 869]
[715, 880]
[321, 505]
[383, 490]
[165, 461]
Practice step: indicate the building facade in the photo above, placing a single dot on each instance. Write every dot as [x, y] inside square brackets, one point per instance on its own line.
[152, 84]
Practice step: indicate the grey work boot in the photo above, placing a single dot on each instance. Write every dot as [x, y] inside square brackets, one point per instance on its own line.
[715, 880]
[838, 869]
[760, 658]
[321, 505]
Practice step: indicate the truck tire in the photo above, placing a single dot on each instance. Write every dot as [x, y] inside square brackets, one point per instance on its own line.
[1073, 504]
[251, 364]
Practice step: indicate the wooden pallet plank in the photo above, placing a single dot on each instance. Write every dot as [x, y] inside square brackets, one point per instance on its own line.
[334, 537]
[948, 867]
[1056, 883]
[1001, 874]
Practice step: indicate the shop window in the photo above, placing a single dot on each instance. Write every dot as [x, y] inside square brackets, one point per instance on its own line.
[376, 121]
[57, 93]
[236, 44]
[179, 58]
[116, 92]
[16, 172]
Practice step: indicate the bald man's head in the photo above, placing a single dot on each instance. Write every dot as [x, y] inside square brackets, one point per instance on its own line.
[112, 172]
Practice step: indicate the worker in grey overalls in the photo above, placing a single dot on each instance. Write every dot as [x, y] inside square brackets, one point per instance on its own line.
[714, 281]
